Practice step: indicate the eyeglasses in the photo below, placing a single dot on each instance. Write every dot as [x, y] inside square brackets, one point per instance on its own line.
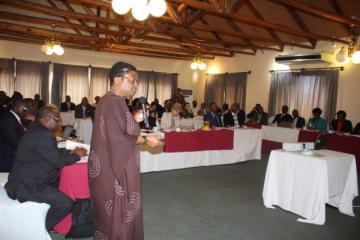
[56, 119]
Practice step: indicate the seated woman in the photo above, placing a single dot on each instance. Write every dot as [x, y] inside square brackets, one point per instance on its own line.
[341, 124]
[187, 113]
[317, 122]
[171, 120]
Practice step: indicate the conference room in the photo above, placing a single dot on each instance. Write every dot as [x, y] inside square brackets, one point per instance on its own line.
[171, 119]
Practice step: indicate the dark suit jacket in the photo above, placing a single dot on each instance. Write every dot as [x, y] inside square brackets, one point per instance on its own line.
[357, 129]
[347, 127]
[300, 123]
[64, 107]
[37, 162]
[286, 118]
[79, 113]
[229, 119]
[214, 121]
[10, 134]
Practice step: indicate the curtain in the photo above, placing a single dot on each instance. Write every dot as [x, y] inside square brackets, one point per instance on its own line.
[304, 91]
[235, 88]
[226, 88]
[7, 76]
[99, 82]
[77, 82]
[44, 84]
[58, 84]
[156, 85]
[31, 78]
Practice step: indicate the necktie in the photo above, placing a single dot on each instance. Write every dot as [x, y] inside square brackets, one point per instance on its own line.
[22, 125]
[69, 106]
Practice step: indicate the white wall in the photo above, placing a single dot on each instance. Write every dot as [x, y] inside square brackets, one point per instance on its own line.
[258, 81]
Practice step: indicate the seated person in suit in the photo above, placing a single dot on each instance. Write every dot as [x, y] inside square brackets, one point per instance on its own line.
[299, 122]
[316, 122]
[67, 105]
[357, 129]
[195, 107]
[187, 113]
[341, 124]
[171, 120]
[235, 117]
[34, 176]
[252, 115]
[84, 109]
[213, 116]
[283, 117]
[11, 131]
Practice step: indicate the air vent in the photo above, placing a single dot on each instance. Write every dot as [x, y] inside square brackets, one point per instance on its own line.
[304, 58]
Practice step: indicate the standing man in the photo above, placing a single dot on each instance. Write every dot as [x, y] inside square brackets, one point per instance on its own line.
[34, 176]
[84, 109]
[11, 130]
[67, 105]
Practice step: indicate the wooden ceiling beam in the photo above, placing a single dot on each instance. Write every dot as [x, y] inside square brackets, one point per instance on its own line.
[65, 18]
[216, 35]
[300, 22]
[172, 12]
[50, 11]
[236, 28]
[192, 44]
[253, 21]
[49, 22]
[316, 11]
[339, 11]
[235, 5]
[269, 30]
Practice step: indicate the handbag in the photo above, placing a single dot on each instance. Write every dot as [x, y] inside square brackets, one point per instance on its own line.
[82, 226]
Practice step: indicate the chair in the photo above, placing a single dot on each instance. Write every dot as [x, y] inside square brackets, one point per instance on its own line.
[22, 220]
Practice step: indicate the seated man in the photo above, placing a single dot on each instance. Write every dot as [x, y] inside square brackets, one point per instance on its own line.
[357, 129]
[213, 116]
[341, 124]
[283, 117]
[67, 105]
[235, 117]
[299, 122]
[84, 109]
[11, 130]
[34, 176]
[317, 122]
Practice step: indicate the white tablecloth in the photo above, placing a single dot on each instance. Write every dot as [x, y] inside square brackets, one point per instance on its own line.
[67, 118]
[83, 128]
[280, 134]
[303, 184]
[3, 178]
[247, 146]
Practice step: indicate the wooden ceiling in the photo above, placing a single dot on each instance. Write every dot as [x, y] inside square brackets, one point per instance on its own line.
[212, 27]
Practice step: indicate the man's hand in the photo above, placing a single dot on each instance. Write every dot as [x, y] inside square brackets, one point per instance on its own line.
[79, 151]
[154, 141]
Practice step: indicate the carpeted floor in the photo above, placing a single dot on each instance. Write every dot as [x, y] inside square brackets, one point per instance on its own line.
[225, 202]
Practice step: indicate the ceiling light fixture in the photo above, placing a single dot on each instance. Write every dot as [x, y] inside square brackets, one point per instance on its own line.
[140, 9]
[52, 46]
[197, 62]
[341, 55]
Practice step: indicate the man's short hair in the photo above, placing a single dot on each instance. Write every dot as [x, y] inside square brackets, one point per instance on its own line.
[317, 111]
[119, 69]
[48, 110]
[341, 112]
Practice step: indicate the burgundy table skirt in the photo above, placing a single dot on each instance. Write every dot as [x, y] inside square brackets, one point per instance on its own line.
[200, 140]
[74, 183]
[253, 125]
